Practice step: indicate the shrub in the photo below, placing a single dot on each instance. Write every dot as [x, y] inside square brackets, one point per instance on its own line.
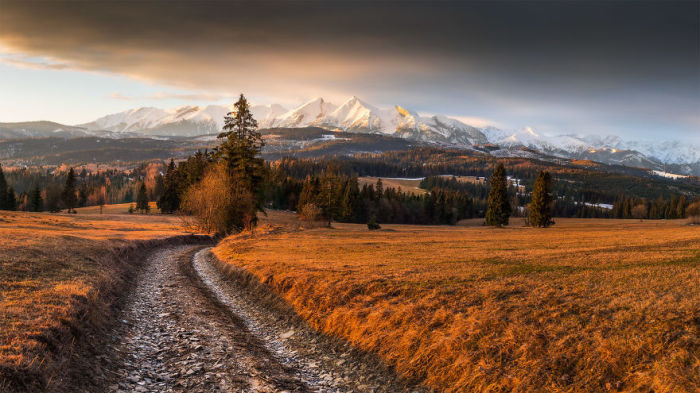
[693, 213]
[372, 224]
[218, 204]
[310, 213]
[639, 211]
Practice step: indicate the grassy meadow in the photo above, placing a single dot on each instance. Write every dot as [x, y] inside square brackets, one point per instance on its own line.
[411, 186]
[49, 265]
[586, 306]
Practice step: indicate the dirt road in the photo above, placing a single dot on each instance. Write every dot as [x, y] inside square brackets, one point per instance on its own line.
[187, 329]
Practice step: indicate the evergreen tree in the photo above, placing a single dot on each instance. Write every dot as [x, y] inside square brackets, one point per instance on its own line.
[541, 204]
[3, 191]
[70, 200]
[499, 209]
[142, 199]
[36, 204]
[239, 152]
[82, 194]
[350, 206]
[169, 201]
[53, 198]
[11, 202]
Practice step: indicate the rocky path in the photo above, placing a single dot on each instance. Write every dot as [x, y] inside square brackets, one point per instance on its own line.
[186, 329]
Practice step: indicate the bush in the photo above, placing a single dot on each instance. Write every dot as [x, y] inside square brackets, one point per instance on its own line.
[310, 212]
[640, 211]
[372, 224]
[218, 203]
[693, 213]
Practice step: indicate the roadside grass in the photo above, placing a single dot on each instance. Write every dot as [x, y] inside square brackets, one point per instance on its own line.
[585, 306]
[52, 269]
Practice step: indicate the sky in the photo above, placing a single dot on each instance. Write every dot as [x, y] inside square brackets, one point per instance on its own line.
[596, 67]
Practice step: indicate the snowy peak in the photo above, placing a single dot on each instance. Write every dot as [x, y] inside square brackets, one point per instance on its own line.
[356, 115]
[310, 113]
[266, 114]
[130, 120]
[609, 149]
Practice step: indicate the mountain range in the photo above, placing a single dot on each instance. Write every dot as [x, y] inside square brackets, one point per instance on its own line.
[357, 116]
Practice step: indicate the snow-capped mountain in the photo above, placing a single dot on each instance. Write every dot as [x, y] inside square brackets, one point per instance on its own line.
[609, 149]
[357, 116]
[181, 121]
[354, 115]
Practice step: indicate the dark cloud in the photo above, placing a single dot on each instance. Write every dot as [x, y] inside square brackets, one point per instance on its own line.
[515, 59]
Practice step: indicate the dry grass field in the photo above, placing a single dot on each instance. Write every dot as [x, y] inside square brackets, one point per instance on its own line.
[406, 185]
[49, 265]
[119, 208]
[585, 306]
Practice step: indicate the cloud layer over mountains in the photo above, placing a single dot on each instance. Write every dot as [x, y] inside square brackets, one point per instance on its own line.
[630, 67]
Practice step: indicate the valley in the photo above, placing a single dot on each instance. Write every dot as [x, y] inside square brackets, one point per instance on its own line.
[308, 196]
[405, 308]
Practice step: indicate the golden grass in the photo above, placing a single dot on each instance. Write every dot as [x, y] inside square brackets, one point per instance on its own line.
[48, 263]
[406, 185]
[585, 306]
[119, 208]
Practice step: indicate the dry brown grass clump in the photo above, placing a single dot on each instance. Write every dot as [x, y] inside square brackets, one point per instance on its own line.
[51, 266]
[585, 306]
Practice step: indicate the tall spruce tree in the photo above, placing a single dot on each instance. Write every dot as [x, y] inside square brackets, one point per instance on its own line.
[541, 204]
[169, 201]
[70, 200]
[11, 203]
[239, 152]
[36, 204]
[499, 209]
[142, 199]
[350, 206]
[3, 190]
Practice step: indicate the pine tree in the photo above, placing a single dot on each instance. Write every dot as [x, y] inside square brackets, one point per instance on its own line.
[541, 204]
[239, 152]
[499, 209]
[82, 194]
[70, 200]
[350, 206]
[142, 199]
[169, 201]
[11, 203]
[35, 200]
[3, 191]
